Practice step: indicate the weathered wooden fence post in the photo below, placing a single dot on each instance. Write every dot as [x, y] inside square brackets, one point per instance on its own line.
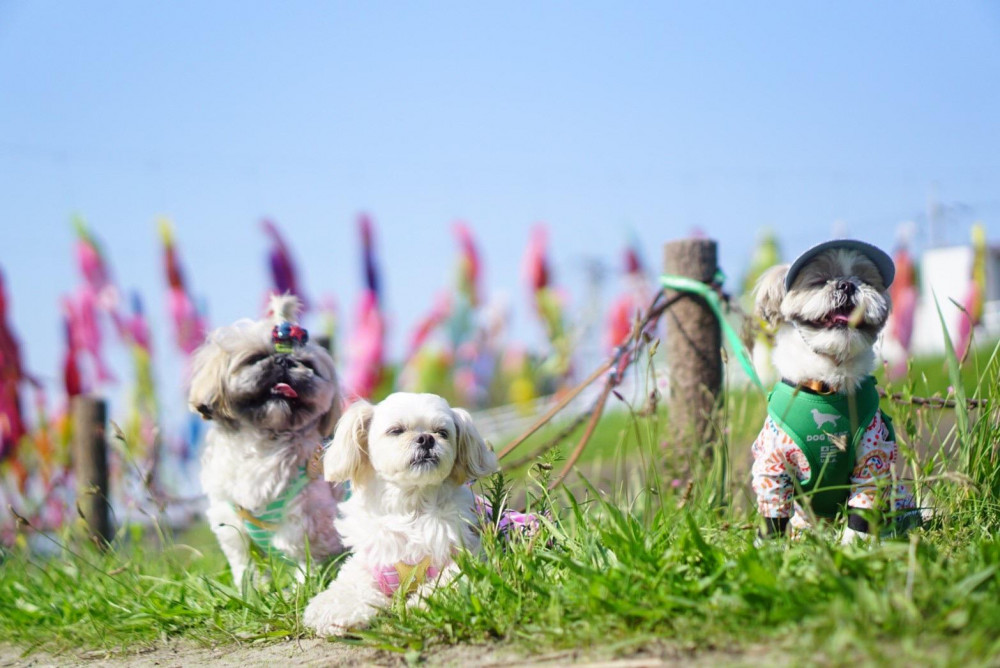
[90, 463]
[693, 344]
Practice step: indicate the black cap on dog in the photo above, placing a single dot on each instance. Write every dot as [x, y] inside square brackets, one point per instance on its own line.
[879, 257]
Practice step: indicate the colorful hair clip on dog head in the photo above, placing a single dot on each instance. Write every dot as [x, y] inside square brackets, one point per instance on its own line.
[286, 335]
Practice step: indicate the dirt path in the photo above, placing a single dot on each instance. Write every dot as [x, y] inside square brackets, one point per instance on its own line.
[321, 653]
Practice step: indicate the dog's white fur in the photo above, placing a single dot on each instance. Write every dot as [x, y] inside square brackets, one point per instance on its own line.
[252, 453]
[806, 349]
[407, 502]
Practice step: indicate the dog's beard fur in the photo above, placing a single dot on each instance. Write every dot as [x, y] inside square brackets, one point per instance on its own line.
[829, 320]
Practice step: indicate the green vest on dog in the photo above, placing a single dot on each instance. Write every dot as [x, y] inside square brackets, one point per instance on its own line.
[827, 428]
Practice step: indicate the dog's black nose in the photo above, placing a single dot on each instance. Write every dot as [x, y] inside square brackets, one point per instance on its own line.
[283, 361]
[425, 441]
[846, 287]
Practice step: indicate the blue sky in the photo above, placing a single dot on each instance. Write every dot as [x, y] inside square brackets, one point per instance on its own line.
[597, 118]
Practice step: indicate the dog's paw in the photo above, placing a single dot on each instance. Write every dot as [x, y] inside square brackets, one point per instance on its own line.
[852, 537]
[331, 615]
[417, 600]
[330, 631]
[323, 617]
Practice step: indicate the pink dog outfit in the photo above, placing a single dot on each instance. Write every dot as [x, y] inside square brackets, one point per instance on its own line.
[389, 578]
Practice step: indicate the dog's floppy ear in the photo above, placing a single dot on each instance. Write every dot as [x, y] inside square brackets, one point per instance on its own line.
[329, 419]
[346, 457]
[769, 293]
[207, 395]
[475, 458]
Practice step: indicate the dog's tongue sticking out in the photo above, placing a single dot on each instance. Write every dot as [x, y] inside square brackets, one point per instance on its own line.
[285, 390]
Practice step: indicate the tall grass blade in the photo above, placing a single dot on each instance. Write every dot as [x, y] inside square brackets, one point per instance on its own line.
[961, 404]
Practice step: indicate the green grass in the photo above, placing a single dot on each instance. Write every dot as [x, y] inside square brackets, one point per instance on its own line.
[146, 588]
[631, 559]
[693, 576]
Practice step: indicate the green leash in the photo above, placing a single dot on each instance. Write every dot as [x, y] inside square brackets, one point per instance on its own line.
[711, 297]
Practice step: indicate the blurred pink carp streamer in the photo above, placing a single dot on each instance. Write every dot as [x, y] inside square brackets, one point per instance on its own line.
[141, 425]
[536, 268]
[12, 427]
[189, 324]
[72, 378]
[94, 268]
[425, 326]
[457, 364]
[428, 367]
[134, 327]
[548, 303]
[469, 266]
[367, 346]
[620, 317]
[26, 459]
[633, 299]
[473, 362]
[461, 320]
[283, 272]
[903, 293]
[96, 293]
[975, 295]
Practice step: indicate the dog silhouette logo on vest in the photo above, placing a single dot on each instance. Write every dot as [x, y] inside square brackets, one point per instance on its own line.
[824, 418]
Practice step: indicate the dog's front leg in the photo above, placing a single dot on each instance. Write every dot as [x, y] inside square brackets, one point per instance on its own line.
[857, 530]
[350, 602]
[235, 544]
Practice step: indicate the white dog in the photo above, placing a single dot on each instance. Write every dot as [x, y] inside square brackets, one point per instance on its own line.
[272, 397]
[825, 433]
[408, 460]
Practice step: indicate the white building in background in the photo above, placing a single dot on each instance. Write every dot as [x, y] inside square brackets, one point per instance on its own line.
[946, 272]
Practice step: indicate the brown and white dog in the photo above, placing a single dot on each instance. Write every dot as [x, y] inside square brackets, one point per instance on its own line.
[271, 397]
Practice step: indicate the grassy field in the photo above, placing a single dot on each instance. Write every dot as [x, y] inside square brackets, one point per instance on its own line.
[658, 549]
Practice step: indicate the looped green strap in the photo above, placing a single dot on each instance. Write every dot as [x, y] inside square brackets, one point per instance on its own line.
[708, 293]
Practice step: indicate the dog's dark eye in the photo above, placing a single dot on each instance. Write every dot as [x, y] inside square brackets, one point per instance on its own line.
[308, 364]
[394, 430]
[442, 432]
[253, 359]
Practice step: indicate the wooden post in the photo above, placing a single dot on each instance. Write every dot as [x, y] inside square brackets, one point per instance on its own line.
[693, 344]
[90, 463]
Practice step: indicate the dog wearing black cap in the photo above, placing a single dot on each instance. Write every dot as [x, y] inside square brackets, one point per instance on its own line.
[826, 449]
